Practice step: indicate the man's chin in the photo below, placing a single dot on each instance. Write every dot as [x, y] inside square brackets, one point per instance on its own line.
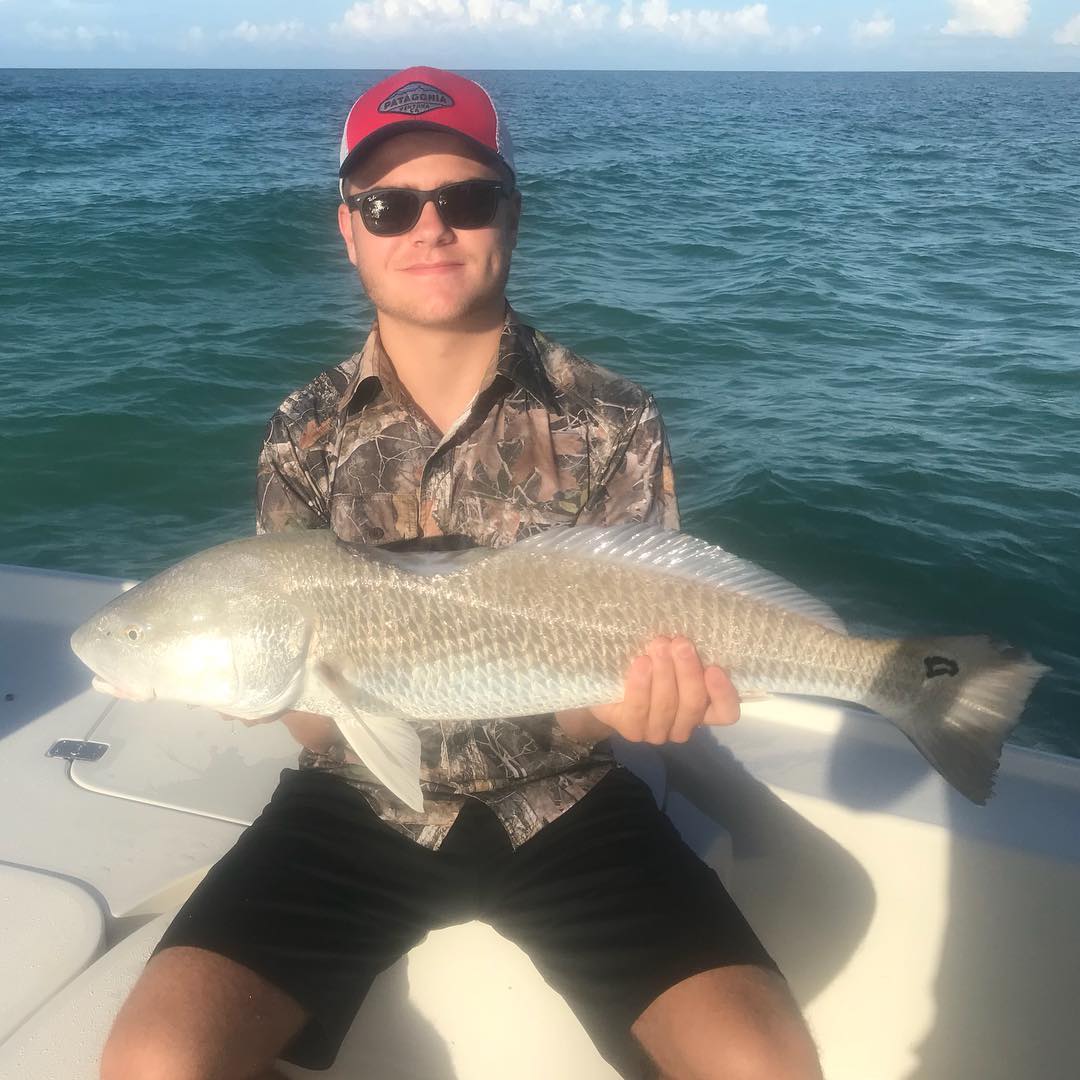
[434, 312]
[449, 317]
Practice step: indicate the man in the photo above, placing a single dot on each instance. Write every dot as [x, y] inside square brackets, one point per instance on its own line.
[458, 419]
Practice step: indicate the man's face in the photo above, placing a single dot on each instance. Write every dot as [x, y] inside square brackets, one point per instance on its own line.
[432, 275]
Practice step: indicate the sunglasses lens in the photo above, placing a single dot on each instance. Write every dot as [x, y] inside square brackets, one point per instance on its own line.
[469, 205]
[390, 212]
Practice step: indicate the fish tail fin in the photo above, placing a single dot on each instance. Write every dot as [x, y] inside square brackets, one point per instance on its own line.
[971, 694]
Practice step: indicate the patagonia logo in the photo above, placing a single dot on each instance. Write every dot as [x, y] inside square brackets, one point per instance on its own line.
[415, 98]
[940, 665]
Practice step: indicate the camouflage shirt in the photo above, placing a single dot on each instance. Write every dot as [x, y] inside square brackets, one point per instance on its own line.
[549, 439]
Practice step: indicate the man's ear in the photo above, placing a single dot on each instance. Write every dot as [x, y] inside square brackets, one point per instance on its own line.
[344, 217]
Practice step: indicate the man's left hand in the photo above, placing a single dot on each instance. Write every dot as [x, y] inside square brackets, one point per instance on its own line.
[668, 693]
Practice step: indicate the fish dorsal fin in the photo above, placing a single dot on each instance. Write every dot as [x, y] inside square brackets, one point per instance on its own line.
[426, 556]
[684, 556]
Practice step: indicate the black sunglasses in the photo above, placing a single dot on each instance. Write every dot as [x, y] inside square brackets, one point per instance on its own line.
[466, 204]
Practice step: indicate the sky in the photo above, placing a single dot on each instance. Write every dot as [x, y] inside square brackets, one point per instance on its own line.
[920, 35]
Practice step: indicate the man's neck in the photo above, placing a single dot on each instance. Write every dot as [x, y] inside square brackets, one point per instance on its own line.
[442, 367]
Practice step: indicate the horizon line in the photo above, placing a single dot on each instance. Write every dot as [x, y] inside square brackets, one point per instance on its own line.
[584, 71]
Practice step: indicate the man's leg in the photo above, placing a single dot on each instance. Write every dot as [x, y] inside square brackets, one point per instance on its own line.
[738, 1022]
[195, 1014]
[647, 947]
[276, 948]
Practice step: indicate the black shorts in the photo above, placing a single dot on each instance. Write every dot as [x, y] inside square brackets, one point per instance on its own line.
[608, 902]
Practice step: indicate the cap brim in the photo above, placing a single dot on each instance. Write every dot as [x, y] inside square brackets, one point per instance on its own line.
[376, 138]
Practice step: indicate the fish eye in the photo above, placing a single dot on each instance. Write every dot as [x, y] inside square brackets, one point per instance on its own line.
[133, 633]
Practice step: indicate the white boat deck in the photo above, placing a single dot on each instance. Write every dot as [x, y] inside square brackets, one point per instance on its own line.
[927, 939]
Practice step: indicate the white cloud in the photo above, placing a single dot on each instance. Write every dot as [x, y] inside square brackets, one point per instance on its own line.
[877, 28]
[193, 39]
[795, 37]
[697, 23]
[1069, 34]
[586, 16]
[398, 18]
[77, 37]
[256, 34]
[1001, 18]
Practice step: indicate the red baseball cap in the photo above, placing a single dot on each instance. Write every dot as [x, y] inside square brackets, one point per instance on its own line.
[424, 98]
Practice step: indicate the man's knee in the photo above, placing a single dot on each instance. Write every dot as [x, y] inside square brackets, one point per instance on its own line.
[193, 1015]
[771, 1051]
[129, 1054]
[731, 1023]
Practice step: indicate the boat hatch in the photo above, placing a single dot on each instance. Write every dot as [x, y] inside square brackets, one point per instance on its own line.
[185, 758]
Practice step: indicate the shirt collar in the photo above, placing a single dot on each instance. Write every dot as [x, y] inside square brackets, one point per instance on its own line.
[517, 360]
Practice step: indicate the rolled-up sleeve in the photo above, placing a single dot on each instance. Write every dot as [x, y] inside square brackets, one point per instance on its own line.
[638, 481]
[289, 484]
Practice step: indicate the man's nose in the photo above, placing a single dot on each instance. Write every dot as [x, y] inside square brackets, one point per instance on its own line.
[429, 226]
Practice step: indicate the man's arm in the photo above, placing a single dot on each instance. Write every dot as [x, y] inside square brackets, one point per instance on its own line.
[312, 730]
[667, 692]
[287, 495]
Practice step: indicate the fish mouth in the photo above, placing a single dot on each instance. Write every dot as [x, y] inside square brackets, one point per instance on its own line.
[82, 642]
[103, 686]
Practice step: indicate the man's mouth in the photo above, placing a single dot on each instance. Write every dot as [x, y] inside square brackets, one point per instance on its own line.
[432, 268]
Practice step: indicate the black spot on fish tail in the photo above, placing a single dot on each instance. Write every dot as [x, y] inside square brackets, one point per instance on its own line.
[940, 665]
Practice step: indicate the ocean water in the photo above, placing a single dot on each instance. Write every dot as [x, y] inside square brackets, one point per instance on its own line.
[855, 296]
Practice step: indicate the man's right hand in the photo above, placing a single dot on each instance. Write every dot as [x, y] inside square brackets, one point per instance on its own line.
[316, 732]
[668, 693]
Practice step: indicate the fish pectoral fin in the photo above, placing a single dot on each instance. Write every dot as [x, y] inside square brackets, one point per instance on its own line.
[363, 700]
[387, 745]
[390, 748]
